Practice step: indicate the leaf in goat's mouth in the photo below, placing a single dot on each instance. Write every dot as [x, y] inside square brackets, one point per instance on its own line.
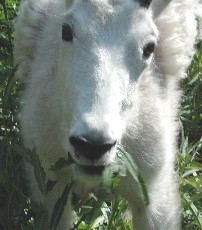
[62, 162]
[123, 162]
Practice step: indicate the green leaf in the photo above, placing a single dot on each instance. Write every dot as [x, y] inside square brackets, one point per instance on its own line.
[195, 211]
[39, 173]
[107, 177]
[49, 185]
[61, 163]
[25, 153]
[135, 173]
[59, 207]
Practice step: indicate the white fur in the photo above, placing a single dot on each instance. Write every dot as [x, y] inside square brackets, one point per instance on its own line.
[101, 85]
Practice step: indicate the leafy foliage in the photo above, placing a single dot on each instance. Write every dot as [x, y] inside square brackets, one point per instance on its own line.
[190, 148]
[18, 212]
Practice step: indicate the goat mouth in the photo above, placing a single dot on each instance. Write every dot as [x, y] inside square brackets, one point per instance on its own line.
[92, 170]
[89, 169]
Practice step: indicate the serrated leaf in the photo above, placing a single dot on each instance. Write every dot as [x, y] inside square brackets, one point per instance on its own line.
[135, 173]
[39, 173]
[59, 207]
[49, 185]
[61, 163]
[25, 153]
[107, 176]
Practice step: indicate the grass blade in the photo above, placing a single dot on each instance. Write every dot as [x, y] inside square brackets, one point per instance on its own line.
[59, 207]
[135, 173]
[39, 173]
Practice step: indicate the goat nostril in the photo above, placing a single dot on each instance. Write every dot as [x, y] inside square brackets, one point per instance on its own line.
[90, 149]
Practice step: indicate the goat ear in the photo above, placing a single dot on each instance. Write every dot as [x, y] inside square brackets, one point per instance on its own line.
[27, 29]
[158, 6]
[145, 3]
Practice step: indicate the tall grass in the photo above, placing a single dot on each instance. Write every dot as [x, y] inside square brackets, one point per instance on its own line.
[16, 210]
[190, 146]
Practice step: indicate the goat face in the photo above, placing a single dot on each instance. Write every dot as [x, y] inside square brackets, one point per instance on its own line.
[105, 47]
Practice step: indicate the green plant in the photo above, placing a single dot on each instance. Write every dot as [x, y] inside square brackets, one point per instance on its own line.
[190, 148]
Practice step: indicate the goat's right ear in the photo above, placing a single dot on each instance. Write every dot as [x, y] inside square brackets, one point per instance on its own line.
[158, 6]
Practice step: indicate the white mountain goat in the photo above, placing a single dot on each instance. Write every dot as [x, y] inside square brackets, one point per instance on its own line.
[99, 73]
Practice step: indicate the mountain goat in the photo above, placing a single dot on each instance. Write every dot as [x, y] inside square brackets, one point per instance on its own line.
[103, 73]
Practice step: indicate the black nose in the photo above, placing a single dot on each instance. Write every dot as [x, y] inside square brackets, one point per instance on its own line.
[91, 150]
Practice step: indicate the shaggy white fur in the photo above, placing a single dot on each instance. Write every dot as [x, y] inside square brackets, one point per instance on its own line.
[100, 73]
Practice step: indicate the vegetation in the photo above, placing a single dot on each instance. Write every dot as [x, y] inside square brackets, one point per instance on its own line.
[17, 212]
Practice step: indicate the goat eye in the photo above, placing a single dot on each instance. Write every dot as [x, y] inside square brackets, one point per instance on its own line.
[148, 50]
[67, 33]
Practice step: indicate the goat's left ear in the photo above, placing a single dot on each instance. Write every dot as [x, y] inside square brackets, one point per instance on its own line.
[145, 3]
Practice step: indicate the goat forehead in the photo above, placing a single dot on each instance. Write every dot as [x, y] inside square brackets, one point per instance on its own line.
[105, 4]
[104, 11]
[102, 18]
